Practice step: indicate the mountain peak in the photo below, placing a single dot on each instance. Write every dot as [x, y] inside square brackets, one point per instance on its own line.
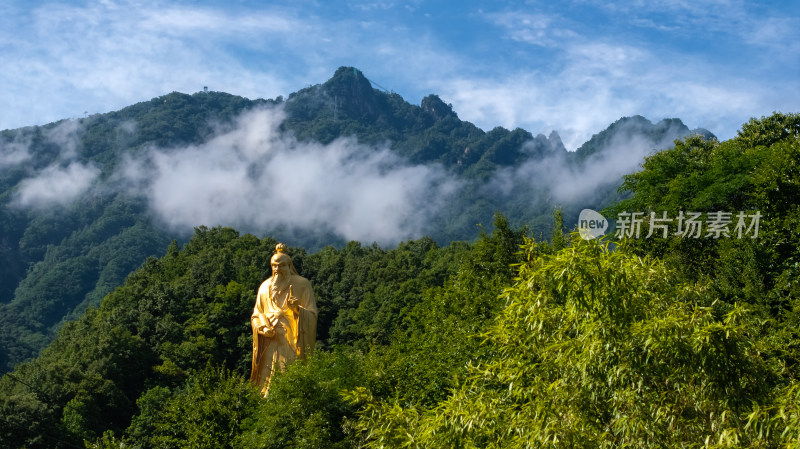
[348, 76]
[434, 106]
[352, 92]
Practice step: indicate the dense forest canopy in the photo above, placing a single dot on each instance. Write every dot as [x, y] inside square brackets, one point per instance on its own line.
[509, 341]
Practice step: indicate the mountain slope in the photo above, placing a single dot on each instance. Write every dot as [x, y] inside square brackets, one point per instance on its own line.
[84, 202]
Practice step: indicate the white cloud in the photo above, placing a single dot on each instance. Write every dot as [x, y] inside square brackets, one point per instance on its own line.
[778, 38]
[537, 28]
[66, 136]
[55, 185]
[102, 56]
[580, 183]
[13, 153]
[61, 182]
[623, 155]
[209, 22]
[255, 178]
[599, 82]
[695, 17]
[584, 74]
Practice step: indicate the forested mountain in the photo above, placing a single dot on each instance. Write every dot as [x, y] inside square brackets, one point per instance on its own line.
[85, 201]
[508, 341]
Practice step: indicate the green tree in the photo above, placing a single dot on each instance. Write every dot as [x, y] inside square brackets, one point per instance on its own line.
[210, 411]
[754, 173]
[599, 348]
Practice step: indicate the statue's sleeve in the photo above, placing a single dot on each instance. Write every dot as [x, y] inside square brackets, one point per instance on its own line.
[257, 320]
[307, 322]
[259, 317]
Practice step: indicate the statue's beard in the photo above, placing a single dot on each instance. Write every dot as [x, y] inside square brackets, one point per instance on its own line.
[280, 279]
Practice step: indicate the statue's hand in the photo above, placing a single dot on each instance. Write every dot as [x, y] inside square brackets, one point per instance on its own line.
[293, 300]
[266, 331]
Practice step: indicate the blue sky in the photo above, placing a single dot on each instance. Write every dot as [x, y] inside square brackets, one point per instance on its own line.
[573, 66]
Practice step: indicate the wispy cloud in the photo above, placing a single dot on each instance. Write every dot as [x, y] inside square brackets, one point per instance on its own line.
[55, 185]
[694, 17]
[106, 55]
[585, 81]
[14, 152]
[556, 179]
[255, 178]
[209, 23]
[64, 179]
[101, 56]
[589, 90]
[546, 30]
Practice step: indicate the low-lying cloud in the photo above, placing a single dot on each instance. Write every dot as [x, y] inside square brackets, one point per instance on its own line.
[255, 177]
[13, 153]
[570, 182]
[62, 181]
[56, 185]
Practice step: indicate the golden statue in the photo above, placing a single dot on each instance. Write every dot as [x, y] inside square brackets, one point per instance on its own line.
[284, 320]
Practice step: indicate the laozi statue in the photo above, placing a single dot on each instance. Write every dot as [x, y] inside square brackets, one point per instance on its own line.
[284, 320]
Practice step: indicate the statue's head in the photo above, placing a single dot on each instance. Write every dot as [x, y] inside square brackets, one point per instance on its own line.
[281, 263]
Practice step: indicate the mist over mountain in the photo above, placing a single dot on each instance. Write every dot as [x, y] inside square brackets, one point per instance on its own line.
[85, 201]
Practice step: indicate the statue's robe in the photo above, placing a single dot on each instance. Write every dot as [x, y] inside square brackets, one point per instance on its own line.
[295, 328]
